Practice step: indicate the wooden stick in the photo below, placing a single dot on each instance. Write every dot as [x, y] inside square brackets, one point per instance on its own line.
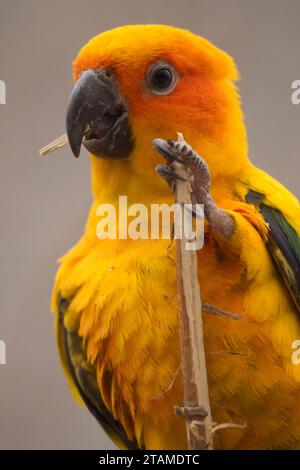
[54, 145]
[196, 406]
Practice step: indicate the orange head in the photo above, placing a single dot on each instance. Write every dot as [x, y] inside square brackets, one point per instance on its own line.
[136, 83]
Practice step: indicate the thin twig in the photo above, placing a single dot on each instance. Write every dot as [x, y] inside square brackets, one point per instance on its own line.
[221, 426]
[166, 390]
[219, 313]
[232, 353]
[54, 145]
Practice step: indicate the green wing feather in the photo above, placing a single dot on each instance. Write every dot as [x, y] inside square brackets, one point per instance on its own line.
[283, 244]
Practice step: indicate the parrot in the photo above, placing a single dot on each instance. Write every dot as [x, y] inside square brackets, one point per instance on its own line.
[115, 300]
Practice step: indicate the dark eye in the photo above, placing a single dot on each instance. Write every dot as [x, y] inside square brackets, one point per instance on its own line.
[161, 78]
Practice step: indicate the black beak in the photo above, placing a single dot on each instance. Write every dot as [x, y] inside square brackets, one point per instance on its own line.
[97, 116]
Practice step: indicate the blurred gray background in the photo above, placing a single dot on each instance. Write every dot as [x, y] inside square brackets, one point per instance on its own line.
[44, 201]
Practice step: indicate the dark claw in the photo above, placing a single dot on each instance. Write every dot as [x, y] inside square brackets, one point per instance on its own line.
[168, 174]
[166, 171]
[162, 147]
[174, 145]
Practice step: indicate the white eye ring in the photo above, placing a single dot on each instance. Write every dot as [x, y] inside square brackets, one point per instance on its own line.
[161, 78]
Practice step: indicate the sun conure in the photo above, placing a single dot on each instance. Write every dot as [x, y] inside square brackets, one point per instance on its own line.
[115, 299]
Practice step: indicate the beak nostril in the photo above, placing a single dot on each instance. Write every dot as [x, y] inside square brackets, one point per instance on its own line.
[108, 73]
[105, 75]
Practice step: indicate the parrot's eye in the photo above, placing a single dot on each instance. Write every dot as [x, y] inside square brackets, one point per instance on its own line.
[161, 78]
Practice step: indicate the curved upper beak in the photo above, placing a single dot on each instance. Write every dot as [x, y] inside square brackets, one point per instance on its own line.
[97, 116]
